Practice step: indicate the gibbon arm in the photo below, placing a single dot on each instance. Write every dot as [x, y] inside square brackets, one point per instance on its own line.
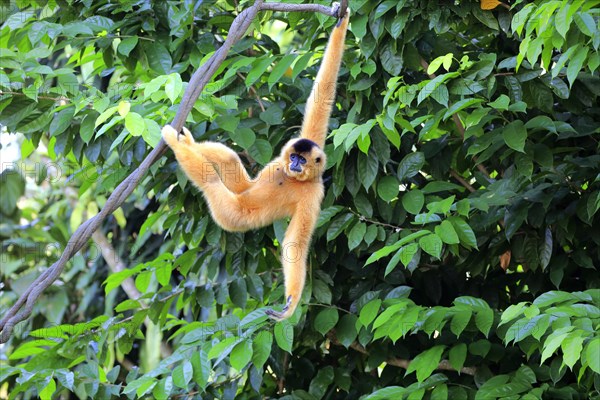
[294, 254]
[322, 97]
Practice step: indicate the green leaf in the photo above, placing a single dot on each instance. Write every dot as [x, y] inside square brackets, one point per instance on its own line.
[338, 225]
[163, 274]
[261, 348]
[356, 235]
[173, 87]
[201, 367]
[404, 322]
[440, 393]
[284, 335]
[546, 249]
[554, 297]
[163, 389]
[391, 57]
[272, 115]
[367, 169]
[446, 232]
[592, 354]
[571, 348]
[326, 320]
[484, 320]
[563, 19]
[141, 386]
[280, 69]
[61, 121]
[182, 374]
[369, 312]
[410, 165]
[244, 137]
[328, 213]
[223, 348]
[566, 56]
[388, 188]
[241, 354]
[431, 244]
[142, 281]
[320, 383]
[501, 103]
[300, 64]
[392, 263]
[135, 123]
[13, 187]
[159, 58]
[460, 105]
[151, 134]
[514, 135]
[413, 201]
[48, 391]
[261, 151]
[391, 248]
[464, 231]
[126, 45]
[513, 311]
[575, 64]
[345, 330]
[586, 24]
[259, 67]
[426, 362]
[86, 129]
[390, 392]
[553, 342]
[457, 356]
[407, 253]
[460, 320]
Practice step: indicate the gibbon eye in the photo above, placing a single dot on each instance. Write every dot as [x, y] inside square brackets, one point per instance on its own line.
[293, 156]
[318, 160]
[302, 160]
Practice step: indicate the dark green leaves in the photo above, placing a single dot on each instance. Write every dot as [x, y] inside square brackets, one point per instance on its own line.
[514, 135]
[388, 188]
[425, 363]
[61, 121]
[326, 320]
[284, 335]
[410, 165]
[13, 187]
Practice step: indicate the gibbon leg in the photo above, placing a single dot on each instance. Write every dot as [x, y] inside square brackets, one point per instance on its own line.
[228, 165]
[207, 159]
[189, 157]
[224, 205]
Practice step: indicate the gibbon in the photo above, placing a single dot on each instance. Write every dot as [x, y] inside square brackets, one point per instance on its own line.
[289, 186]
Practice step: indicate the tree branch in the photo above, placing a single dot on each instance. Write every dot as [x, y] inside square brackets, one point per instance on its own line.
[115, 263]
[462, 181]
[23, 307]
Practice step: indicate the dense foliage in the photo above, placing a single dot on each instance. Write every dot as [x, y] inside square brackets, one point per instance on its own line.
[458, 248]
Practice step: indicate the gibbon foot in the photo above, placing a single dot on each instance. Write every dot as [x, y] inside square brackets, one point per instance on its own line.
[173, 137]
[280, 315]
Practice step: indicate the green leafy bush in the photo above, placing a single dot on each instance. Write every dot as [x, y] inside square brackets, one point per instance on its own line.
[456, 254]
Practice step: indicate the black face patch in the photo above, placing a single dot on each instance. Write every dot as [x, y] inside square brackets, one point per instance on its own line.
[304, 146]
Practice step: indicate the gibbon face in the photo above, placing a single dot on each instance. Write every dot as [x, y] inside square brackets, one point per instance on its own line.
[303, 159]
